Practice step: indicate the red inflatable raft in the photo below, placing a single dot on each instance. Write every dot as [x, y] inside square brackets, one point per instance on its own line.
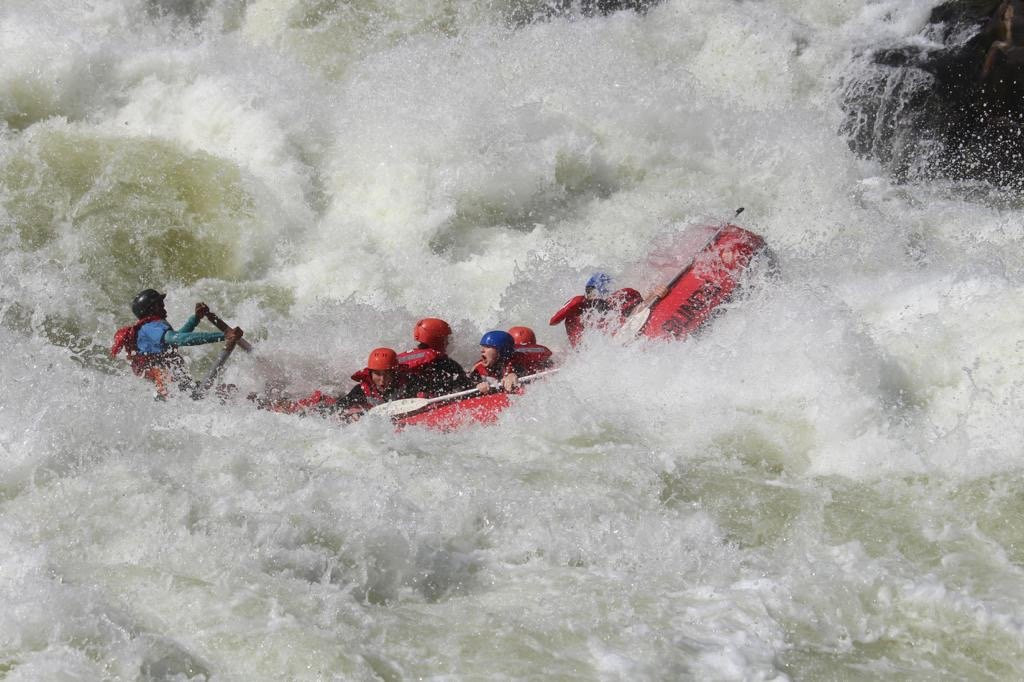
[446, 416]
[712, 260]
[451, 412]
[717, 257]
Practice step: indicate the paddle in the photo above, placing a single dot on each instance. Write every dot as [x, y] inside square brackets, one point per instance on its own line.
[397, 408]
[211, 376]
[634, 324]
[224, 327]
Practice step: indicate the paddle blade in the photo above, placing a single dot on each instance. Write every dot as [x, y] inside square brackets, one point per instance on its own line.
[211, 376]
[397, 408]
[633, 325]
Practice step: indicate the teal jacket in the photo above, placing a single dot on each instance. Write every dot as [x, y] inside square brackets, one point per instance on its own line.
[157, 336]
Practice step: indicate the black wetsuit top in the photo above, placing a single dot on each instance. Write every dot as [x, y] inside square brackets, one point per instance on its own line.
[444, 376]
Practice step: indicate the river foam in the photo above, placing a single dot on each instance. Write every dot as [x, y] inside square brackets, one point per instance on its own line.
[824, 483]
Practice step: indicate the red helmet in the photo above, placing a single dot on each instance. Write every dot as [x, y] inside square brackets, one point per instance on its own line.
[523, 335]
[432, 332]
[382, 359]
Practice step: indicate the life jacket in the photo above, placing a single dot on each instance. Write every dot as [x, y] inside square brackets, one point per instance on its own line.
[581, 312]
[373, 395]
[625, 300]
[415, 360]
[126, 338]
[572, 313]
[514, 364]
[532, 358]
[572, 307]
[160, 368]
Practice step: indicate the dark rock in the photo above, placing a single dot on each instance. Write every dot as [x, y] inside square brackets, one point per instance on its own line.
[953, 112]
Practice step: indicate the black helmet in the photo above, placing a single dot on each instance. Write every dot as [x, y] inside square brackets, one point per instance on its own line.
[146, 302]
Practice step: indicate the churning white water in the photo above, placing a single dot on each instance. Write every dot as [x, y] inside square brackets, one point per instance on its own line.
[825, 484]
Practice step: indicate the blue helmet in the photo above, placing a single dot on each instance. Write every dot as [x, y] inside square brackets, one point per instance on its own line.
[503, 341]
[599, 281]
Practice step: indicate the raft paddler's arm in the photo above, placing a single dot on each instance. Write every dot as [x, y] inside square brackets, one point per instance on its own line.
[660, 292]
[186, 337]
[350, 406]
[183, 337]
[573, 304]
[190, 324]
[202, 310]
[486, 384]
[317, 402]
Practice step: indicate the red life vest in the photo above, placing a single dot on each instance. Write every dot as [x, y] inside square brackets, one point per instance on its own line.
[625, 300]
[480, 370]
[513, 365]
[574, 306]
[126, 338]
[418, 358]
[532, 358]
[572, 312]
[580, 312]
[373, 394]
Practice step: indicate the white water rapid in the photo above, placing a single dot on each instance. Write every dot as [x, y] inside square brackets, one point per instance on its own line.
[825, 484]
